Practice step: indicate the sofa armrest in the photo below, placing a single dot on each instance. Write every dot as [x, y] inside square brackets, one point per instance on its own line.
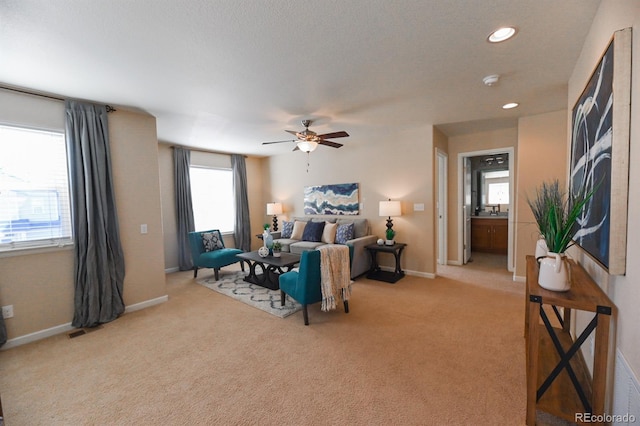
[276, 235]
[361, 258]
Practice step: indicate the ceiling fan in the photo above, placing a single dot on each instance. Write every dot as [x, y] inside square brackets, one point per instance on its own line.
[308, 140]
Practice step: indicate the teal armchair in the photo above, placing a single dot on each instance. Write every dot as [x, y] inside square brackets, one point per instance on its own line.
[304, 285]
[208, 251]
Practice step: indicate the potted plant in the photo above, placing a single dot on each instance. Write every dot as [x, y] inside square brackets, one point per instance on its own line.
[390, 234]
[277, 248]
[556, 214]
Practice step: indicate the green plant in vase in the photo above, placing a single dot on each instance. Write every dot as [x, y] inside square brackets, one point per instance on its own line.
[390, 233]
[556, 214]
[277, 248]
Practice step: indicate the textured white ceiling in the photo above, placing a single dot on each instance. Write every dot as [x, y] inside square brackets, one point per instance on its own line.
[227, 75]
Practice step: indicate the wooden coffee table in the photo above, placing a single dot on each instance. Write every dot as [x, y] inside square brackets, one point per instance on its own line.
[271, 267]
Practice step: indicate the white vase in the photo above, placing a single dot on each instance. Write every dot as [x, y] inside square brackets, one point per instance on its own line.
[554, 273]
[541, 249]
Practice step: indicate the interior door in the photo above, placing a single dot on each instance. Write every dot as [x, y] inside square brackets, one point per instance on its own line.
[442, 209]
[466, 209]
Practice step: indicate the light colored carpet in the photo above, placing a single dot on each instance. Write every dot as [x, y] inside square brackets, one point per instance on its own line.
[419, 352]
[232, 284]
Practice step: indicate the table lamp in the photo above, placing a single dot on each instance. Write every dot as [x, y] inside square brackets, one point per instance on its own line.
[274, 209]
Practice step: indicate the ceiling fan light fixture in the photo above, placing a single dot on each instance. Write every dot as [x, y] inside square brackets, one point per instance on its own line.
[307, 146]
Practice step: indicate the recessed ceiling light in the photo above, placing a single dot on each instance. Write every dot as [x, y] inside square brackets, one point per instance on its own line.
[510, 105]
[502, 34]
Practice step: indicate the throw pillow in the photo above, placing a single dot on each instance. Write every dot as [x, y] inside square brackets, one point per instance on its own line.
[313, 232]
[344, 233]
[329, 233]
[211, 241]
[298, 229]
[287, 229]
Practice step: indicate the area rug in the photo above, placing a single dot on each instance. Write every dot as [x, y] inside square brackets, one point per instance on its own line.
[233, 285]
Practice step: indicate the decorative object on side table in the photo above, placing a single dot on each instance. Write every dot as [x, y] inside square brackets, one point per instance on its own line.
[556, 214]
[267, 239]
[390, 233]
[389, 208]
[274, 209]
[276, 248]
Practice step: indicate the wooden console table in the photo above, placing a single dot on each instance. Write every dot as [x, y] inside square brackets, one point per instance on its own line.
[558, 380]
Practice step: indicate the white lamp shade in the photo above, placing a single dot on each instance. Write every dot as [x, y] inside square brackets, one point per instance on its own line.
[390, 208]
[307, 146]
[274, 208]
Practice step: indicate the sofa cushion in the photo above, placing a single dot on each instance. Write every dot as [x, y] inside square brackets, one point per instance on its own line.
[287, 229]
[329, 233]
[301, 246]
[344, 233]
[360, 226]
[313, 231]
[211, 242]
[298, 230]
[286, 243]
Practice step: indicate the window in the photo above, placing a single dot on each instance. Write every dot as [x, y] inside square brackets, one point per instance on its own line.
[497, 186]
[35, 208]
[212, 198]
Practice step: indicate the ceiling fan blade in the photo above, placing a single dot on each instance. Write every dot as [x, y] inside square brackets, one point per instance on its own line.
[268, 143]
[296, 148]
[332, 144]
[334, 135]
[293, 132]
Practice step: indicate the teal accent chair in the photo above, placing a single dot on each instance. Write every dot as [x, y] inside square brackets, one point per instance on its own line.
[304, 285]
[215, 259]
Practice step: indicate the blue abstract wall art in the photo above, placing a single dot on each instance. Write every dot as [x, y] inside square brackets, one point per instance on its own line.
[337, 199]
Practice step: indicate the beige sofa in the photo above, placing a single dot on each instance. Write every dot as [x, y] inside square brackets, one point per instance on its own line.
[361, 238]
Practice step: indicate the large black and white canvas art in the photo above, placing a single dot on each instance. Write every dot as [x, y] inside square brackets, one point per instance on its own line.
[599, 156]
[338, 199]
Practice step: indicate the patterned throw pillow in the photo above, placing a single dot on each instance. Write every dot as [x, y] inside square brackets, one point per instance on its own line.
[313, 232]
[211, 241]
[287, 229]
[344, 233]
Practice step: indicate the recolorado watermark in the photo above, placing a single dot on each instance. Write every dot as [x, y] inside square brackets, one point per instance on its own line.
[604, 418]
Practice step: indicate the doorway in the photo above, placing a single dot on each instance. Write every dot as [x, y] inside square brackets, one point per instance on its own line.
[473, 202]
[441, 206]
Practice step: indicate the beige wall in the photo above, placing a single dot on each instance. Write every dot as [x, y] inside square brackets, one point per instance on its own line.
[39, 285]
[541, 157]
[388, 163]
[471, 142]
[256, 191]
[624, 290]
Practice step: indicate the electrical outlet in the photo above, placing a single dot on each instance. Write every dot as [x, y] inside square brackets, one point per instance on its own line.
[7, 311]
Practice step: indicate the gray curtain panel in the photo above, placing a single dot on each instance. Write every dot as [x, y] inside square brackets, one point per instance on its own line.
[184, 207]
[242, 231]
[3, 332]
[99, 260]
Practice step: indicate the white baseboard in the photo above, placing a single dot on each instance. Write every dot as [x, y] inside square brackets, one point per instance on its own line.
[519, 279]
[412, 273]
[146, 304]
[64, 328]
[38, 335]
[171, 270]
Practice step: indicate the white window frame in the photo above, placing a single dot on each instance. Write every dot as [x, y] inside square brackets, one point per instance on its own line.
[213, 198]
[11, 189]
